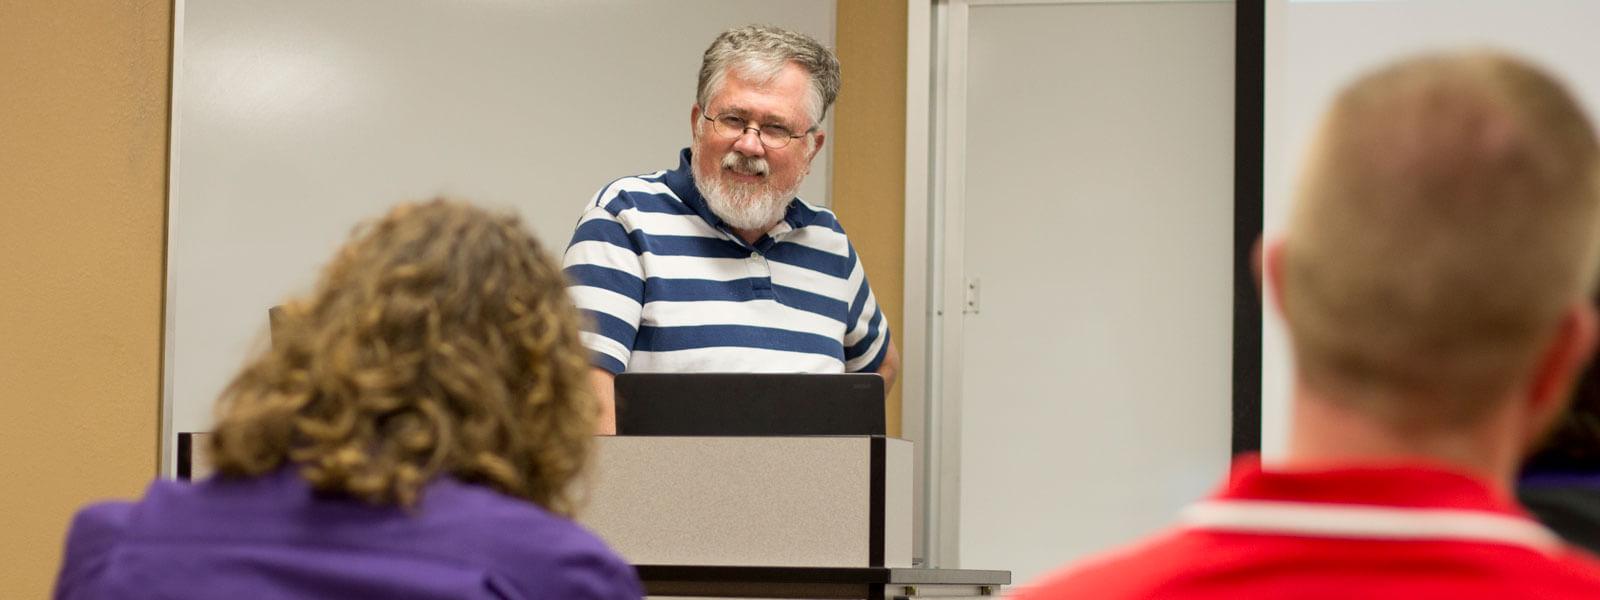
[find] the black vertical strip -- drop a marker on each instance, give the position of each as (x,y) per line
(185,455)
(1249,74)
(875,501)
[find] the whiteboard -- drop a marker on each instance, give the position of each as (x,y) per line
(1314,48)
(293,120)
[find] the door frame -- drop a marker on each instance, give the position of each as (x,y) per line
(935,182)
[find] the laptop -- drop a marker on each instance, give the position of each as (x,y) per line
(749,404)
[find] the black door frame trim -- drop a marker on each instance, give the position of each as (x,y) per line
(1248,138)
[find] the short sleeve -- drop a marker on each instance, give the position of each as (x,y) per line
(606,282)
(866,338)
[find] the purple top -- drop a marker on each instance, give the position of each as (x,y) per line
(270,537)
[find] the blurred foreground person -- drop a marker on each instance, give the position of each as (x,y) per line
(1435,278)
(414,432)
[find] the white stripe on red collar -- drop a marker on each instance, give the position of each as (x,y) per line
(1368,522)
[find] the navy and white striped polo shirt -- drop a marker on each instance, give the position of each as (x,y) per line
(669,288)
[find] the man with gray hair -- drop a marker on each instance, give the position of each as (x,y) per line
(716,266)
(1435,279)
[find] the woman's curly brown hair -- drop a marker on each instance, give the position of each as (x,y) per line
(439,341)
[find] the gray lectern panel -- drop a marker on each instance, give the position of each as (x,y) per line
(750,501)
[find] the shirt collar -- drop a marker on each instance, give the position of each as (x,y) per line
(1402,483)
(1394,502)
(681,182)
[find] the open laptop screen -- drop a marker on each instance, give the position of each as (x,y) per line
(749,404)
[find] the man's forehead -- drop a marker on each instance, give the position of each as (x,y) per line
(752,113)
(783,97)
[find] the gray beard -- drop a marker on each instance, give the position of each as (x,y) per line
(747,207)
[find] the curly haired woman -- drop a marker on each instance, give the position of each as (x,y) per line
(417,430)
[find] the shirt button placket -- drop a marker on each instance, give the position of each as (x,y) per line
(760,275)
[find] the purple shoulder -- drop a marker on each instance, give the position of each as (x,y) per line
(95,531)
(541,554)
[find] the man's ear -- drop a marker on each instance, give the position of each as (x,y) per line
(816,147)
(1564,358)
(694,118)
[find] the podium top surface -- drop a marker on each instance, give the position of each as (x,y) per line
(745,404)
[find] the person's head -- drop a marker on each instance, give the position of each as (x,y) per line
(768,80)
(1443,243)
(439,342)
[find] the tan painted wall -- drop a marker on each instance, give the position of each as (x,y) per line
(83,167)
(869,147)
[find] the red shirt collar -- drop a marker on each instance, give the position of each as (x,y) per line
(1403,483)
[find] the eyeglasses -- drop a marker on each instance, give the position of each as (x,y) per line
(771,136)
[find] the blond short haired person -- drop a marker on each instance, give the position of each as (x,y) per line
(414,432)
(1434,278)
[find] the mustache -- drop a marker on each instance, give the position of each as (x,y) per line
(748,165)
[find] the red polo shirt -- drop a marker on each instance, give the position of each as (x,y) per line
(1408,531)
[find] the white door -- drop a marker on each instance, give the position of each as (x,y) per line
(1087,275)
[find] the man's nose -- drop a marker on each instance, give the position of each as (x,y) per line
(749,143)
